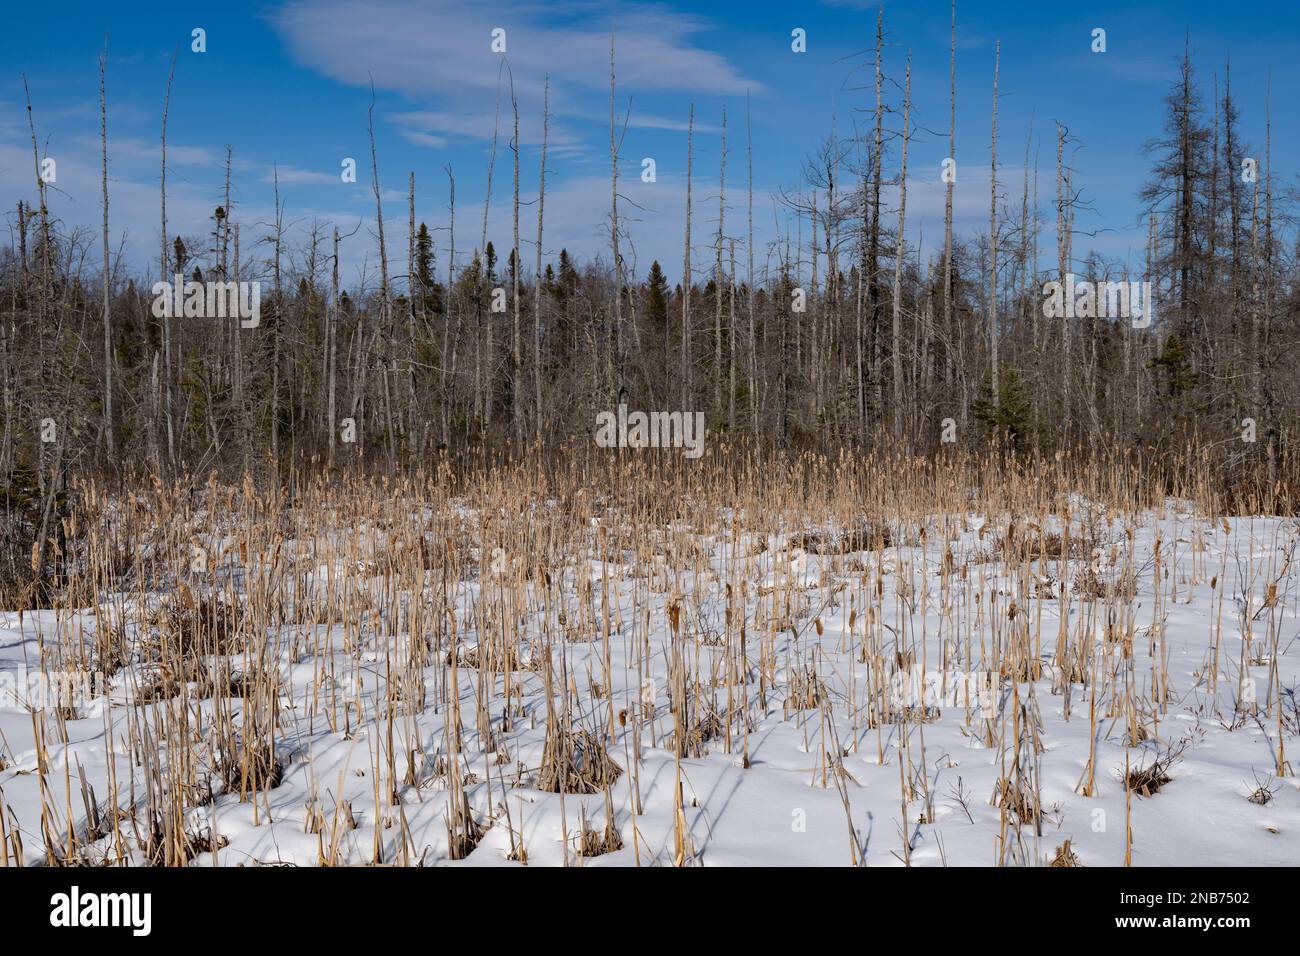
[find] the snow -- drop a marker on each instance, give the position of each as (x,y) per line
(787,807)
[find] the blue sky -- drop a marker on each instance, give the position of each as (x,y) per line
(288,84)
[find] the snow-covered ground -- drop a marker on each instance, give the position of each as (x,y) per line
(881,695)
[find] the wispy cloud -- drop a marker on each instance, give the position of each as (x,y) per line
(422,49)
(438,127)
(290,175)
(440,53)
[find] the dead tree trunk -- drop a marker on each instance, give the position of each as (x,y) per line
(107,317)
(686,274)
(613,225)
(718,275)
(331,347)
(947,203)
(485,363)
(166,322)
(873,252)
(385,301)
(537,272)
(749,297)
(898,261)
(993,228)
(448,372)
(516,347)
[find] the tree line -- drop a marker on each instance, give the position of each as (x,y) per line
(842,332)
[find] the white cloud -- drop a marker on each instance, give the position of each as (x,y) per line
(424,49)
(440,53)
(420,138)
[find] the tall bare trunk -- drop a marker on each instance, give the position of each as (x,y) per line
(613,225)
(749,296)
(332,347)
(449,366)
(385,299)
(164,274)
(537,272)
(224,223)
(686,274)
(43,304)
(731,339)
(873,257)
(898,260)
(718,279)
(485,360)
(107,317)
(516,346)
(993,227)
(952,175)
(245,427)
(415,292)
(1062,266)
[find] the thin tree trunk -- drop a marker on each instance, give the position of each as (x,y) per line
(484,365)
(42,307)
(237,381)
(898,260)
(107,316)
(516,346)
(1062,266)
(613,224)
(163,275)
(224,224)
(537,276)
(718,275)
(276,332)
(332,347)
(993,227)
(385,303)
(449,367)
(873,259)
(947,203)
(731,377)
(686,274)
(415,292)
(749,297)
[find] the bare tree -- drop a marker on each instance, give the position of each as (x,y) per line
(163,272)
(516,348)
(749,297)
(537,271)
(950,180)
(719,278)
(613,222)
(385,295)
(107,314)
(686,274)
(993,227)
(331,348)
(898,259)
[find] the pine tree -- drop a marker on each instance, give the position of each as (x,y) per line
(657,297)
(429,289)
(1172,368)
(1010,417)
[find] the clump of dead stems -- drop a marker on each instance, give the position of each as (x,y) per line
(1147,780)
(576,762)
(1064,857)
(593,842)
